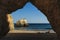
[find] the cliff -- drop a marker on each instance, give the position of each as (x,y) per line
(10,20)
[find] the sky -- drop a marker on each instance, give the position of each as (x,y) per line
(30,13)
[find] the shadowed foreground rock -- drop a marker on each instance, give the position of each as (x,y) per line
(3,23)
(51,8)
(30,36)
(6,7)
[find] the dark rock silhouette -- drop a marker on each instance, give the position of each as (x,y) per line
(6,7)
(51,8)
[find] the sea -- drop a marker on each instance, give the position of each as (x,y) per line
(35,26)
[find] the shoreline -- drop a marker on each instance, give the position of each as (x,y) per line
(33,31)
(30,36)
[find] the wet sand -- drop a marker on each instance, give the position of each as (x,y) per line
(30,36)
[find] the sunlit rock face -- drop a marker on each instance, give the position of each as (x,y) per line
(22,23)
(10,20)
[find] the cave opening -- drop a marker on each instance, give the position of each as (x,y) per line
(36,19)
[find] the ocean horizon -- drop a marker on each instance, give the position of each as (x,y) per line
(35,26)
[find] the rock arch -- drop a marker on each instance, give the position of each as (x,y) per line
(49,7)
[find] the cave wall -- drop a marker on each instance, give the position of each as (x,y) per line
(4,29)
(50,8)
(6,7)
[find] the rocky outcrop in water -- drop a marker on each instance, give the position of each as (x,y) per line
(51,8)
(22,23)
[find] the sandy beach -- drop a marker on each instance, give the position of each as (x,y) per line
(31,31)
(31,35)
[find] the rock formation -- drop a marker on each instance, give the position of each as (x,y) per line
(4,24)
(22,23)
(6,7)
(10,20)
(51,8)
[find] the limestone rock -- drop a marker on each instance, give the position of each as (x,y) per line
(22,23)
(10,20)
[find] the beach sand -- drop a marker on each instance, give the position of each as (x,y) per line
(19,35)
